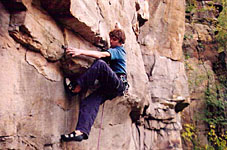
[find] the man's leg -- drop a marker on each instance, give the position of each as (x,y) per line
(111,87)
(88,111)
(102,72)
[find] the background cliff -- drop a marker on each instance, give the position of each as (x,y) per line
(34,108)
(204,47)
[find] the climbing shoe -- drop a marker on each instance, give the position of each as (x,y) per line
(73,137)
(69,86)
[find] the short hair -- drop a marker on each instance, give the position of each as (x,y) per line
(118,34)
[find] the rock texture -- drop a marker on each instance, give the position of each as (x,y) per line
(201,53)
(34,108)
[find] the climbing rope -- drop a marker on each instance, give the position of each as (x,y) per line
(99,137)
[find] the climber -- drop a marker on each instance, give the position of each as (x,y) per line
(112,80)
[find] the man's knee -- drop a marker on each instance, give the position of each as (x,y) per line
(100,62)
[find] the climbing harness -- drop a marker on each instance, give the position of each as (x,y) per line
(125,82)
(123,78)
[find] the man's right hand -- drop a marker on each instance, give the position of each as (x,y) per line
(73,51)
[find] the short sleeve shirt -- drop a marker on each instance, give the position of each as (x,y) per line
(118,59)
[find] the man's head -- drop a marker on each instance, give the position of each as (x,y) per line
(117,36)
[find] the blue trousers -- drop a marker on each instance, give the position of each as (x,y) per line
(110,87)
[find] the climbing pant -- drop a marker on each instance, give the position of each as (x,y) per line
(110,87)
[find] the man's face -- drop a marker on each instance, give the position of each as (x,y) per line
(114,42)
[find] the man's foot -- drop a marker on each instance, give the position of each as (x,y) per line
(73,136)
(71,87)
(77,89)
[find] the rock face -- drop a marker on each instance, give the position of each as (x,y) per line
(200,48)
(34,108)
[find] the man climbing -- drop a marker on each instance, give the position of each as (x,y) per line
(112,80)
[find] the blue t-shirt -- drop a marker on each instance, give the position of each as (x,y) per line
(118,59)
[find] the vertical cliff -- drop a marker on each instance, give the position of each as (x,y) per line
(204,121)
(34,108)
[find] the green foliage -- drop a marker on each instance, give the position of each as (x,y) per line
(215,108)
(223,81)
(215,114)
(190,134)
(220,23)
(188,37)
(191,6)
(188,66)
(187,56)
(218,141)
(200,47)
(221,28)
(215,117)
(200,79)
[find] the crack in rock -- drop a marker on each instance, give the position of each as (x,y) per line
(49,70)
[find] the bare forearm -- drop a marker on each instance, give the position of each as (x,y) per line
(91,53)
(96,54)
